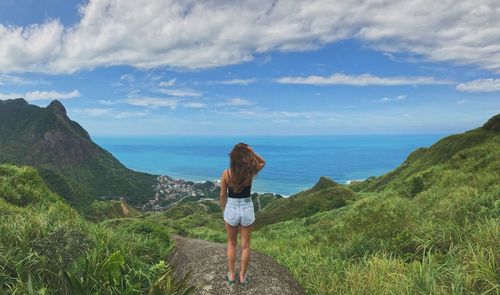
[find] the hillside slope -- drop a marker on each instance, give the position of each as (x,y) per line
(46,247)
(471,151)
(430,226)
(325,195)
(68,160)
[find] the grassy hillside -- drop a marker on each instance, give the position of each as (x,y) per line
(202,218)
(325,195)
(468,152)
(430,226)
(111,209)
(46,247)
(68,160)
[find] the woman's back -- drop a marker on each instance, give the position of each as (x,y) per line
(237,204)
(244,193)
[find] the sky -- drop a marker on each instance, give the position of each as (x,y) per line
(260,67)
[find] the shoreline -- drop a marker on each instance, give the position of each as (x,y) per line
(216,182)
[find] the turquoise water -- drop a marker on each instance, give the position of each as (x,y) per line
(294,163)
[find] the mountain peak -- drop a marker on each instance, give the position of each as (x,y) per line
(62,151)
(19,101)
(57,107)
(324,182)
(493,123)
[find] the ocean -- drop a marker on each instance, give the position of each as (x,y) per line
(293,163)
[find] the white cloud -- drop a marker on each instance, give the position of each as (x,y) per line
(168,83)
(236,102)
(17,80)
(462,101)
(263,113)
(92,112)
(41,95)
(235,82)
(180,92)
(107,102)
(126,114)
(204,34)
(195,105)
(481,85)
(152,102)
(4,96)
(395,98)
(127,78)
(106,112)
(45,95)
(360,80)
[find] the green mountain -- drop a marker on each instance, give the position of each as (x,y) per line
(68,160)
(430,226)
(469,152)
(325,195)
(46,247)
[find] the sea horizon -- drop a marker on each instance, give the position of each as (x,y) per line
(294,162)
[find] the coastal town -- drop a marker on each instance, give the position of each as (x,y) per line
(168,191)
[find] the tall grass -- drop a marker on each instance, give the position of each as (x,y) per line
(46,247)
(431,226)
(442,241)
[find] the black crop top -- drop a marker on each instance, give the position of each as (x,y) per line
(245,192)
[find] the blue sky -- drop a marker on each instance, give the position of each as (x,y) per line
(255,67)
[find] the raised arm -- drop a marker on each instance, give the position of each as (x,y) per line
(223,190)
(261,160)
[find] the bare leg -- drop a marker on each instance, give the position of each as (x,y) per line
(246,232)
(232,238)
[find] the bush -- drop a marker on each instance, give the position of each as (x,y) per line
(46,247)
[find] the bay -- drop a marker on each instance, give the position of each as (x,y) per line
(293,163)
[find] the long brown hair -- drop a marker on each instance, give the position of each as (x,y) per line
(244,167)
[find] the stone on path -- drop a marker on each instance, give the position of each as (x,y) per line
(208,265)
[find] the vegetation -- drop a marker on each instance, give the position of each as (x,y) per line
(430,226)
(202,218)
(325,195)
(70,163)
(46,247)
(111,209)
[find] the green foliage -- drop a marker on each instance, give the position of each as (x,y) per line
(166,285)
(69,162)
(416,186)
(430,226)
(493,124)
(61,246)
(325,195)
(195,219)
(22,186)
(102,210)
(46,247)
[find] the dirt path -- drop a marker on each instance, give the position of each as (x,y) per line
(124,208)
(207,261)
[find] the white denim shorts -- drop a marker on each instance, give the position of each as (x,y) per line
(239,211)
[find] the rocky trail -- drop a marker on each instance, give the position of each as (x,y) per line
(207,263)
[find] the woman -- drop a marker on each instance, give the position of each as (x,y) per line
(237,205)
